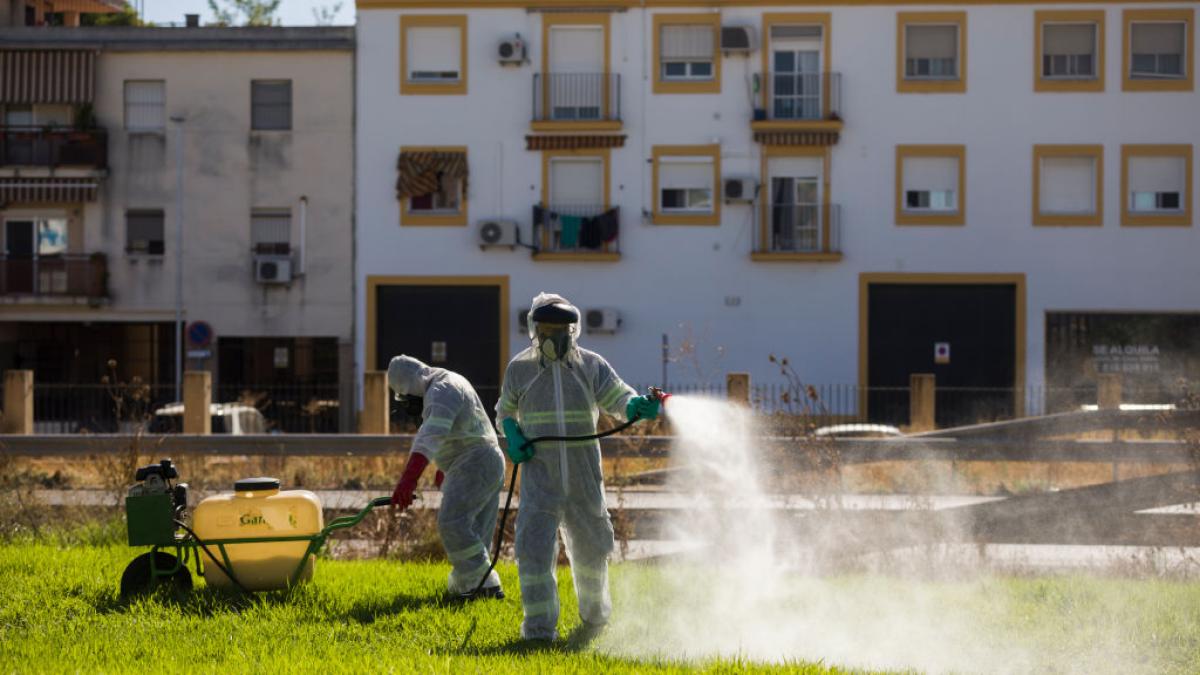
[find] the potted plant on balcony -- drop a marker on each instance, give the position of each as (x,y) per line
(85,122)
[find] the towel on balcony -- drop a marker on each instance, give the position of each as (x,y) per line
(571,226)
(599,230)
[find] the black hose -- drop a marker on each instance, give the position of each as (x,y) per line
(213,558)
(512,485)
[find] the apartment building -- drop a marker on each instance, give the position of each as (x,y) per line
(145,171)
(998,193)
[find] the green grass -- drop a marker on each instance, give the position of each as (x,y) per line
(59,611)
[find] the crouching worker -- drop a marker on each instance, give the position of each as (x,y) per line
(557,388)
(457,435)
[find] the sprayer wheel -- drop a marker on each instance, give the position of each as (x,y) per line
(138,579)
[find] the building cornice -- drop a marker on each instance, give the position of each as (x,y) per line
(613,5)
(141,39)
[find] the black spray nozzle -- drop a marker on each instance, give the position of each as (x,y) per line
(656,394)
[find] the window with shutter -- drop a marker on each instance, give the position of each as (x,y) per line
(687,52)
(271,105)
(144,231)
(433,54)
(930,186)
(1156,182)
(931,52)
(1069,50)
(271,231)
(145,105)
(1157,49)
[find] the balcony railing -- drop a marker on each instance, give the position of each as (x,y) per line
(576,97)
(576,228)
(801,228)
(79,276)
(53,147)
(801,97)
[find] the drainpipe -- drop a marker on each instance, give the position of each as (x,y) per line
(178,120)
(303,235)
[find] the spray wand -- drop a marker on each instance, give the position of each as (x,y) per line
(653,393)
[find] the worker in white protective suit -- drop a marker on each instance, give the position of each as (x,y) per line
(457,435)
(556,388)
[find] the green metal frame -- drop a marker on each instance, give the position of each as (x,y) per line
(185,545)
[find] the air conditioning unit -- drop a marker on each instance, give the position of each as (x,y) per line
(740,189)
(497,233)
(511,51)
(738,39)
(272,269)
(602,320)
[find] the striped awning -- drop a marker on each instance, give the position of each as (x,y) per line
(421,172)
(573,142)
(47,76)
(47,190)
(796,137)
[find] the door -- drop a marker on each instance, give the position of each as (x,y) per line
(18,142)
(796,72)
(575,78)
(454,327)
(18,256)
(795,220)
(965,334)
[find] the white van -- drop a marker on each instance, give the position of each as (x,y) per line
(227,418)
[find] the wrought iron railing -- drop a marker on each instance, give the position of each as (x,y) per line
(576,228)
(53,146)
(800,228)
(801,96)
(81,276)
(576,97)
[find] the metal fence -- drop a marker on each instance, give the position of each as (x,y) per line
(577,228)
(68,275)
(800,228)
(954,406)
(576,97)
(53,146)
(132,407)
(802,96)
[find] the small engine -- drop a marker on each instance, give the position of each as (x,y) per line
(153,504)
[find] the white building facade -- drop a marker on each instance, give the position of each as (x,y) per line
(998,193)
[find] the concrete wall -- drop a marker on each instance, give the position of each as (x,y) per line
(676,279)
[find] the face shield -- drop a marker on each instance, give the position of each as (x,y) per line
(553,326)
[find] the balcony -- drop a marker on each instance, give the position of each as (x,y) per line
(576,232)
(798,104)
(803,232)
(576,102)
(53,147)
(64,278)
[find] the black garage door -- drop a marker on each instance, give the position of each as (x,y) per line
(965,334)
(455,327)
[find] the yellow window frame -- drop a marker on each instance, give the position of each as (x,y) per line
(408,217)
(1043,17)
(909,86)
(1131,218)
(1096,152)
(712,151)
(410,88)
(957,152)
(666,86)
(1131,16)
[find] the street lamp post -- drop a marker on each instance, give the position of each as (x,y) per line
(178,120)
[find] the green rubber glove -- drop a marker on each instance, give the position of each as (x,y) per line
(644,408)
(516,449)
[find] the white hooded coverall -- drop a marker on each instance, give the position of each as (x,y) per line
(457,436)
(562,483)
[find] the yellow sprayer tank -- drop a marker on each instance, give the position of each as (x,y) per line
(258,510)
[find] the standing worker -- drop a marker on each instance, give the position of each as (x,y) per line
(556,388)
(457,435)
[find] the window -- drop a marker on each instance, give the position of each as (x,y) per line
(575,217)
(796,219)
(433,54)
(686,54)
(144,231)
(271,105)
(271,231)
(1156,185)
(1159,49)
(433,185)
(1069,50)
(145,105)
(930,184)
(686,180)
(1068,184)
(931,52)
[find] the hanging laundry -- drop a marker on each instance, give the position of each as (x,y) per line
(571,225)
(589,236)
(608,223)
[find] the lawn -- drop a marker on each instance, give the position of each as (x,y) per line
(59,611)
